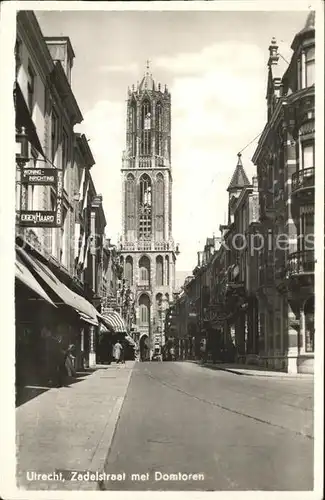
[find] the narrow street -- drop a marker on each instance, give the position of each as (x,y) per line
(240,432)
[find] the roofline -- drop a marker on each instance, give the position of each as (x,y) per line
(59,72)
(58,38)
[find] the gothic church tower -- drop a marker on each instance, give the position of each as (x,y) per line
(148,253)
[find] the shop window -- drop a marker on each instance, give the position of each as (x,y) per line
(309,326)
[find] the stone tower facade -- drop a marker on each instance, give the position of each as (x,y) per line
(148,252)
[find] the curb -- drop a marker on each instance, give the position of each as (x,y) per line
(284,376)
(261,373)
(104,445)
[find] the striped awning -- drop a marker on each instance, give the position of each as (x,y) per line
(114,321)
(66,296)
(23,274)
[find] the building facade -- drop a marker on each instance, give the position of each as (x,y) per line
(59,216)
(285,160)
(147,246)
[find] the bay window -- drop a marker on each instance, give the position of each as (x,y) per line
(308,154)
(310,66)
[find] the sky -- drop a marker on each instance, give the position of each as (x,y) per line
(215,67)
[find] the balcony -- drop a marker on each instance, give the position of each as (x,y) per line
(301,263)
(303,180)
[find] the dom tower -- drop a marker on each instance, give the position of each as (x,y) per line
(147,246)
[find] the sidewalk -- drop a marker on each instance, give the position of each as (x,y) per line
(70,428)
(254,371)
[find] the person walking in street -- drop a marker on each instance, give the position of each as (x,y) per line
(118,352)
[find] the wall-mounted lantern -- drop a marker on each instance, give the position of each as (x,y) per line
(22,156)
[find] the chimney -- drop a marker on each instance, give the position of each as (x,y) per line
(61,50)
(255,184)
(199,258)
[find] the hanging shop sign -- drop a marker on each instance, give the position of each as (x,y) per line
(37,218)
(59,201)
(40,176)
(43,218)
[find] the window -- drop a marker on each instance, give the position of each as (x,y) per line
(54,135)
(159,271)
(310,67)
(167,270)
(309,325)
(30,87)
(144,310)
(54,230)
(145,207)
(130,207)
(133,129)
(63,238)
(308,154)
(159,204)
(129,270)
(65,153)
(146,128)
(144,268)
(30,197)
(159,129)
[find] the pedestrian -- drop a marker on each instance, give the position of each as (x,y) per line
(118,352)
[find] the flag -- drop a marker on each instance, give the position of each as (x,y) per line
(82,249)
(76,239)
(81,186)
(86,254)
(86,197)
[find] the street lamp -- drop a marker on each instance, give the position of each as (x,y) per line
(22,147)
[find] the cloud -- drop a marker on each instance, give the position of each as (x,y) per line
(239,56)
(127,68)
(218,97)
(218,106)
(104,125)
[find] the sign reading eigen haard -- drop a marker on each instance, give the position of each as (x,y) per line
(37,218)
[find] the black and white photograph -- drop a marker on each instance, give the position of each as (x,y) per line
(162,248)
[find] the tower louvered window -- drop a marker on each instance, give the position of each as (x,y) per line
(133,129)
(145,205)
(130,206)
(146,128)
(159,206)
(159,129)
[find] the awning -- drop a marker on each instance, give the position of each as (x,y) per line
(88,319)
(114,321)
(23,274)
(72,299)
(130,340)
(24,119)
